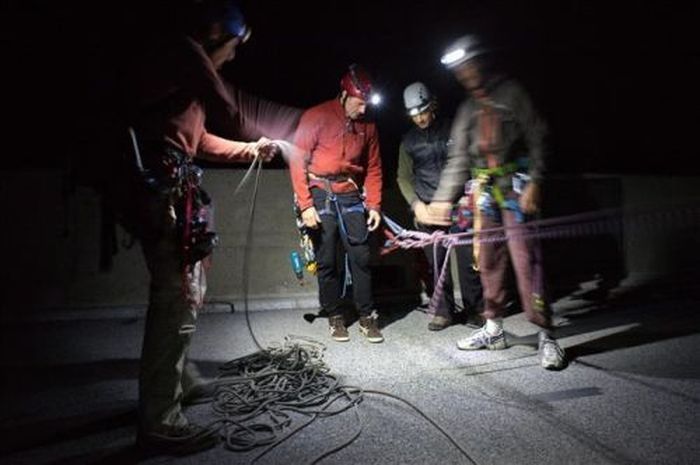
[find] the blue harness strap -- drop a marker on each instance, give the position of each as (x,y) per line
(332,206)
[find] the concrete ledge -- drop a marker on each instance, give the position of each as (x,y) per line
(52,248)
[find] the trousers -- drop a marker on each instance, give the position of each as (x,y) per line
(344,232)
(175,297)
(523,251)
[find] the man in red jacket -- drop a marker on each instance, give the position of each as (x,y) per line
(157,198)
(339,156)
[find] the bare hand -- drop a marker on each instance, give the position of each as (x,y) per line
(310,218)
(531,199)
(373,220)
(266,149)
(420,210)
(438,213)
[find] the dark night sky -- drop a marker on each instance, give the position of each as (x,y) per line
(616,80)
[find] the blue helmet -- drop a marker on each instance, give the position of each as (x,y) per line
(234,22)
(229,13)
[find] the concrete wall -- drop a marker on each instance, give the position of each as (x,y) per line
(668,241)
(51,241)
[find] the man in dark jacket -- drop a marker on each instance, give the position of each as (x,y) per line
(422,157)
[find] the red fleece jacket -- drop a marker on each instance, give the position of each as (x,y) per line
(332,145)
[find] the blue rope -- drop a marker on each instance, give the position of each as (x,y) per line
(393,225)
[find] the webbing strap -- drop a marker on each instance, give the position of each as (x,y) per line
(340,210)
(484,174)
(497,171)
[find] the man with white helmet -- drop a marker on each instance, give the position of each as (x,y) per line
(422,157)
(500,140)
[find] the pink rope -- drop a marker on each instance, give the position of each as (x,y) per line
(582,224)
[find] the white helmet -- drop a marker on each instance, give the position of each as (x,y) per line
(417,98)
(463,49)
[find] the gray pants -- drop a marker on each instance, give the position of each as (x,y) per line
(170,324)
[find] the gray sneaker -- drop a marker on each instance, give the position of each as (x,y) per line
(552,357)
(370,329)
(480,339)
(336,325)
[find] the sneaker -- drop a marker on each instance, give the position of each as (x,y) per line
(438,323)
(180,440)
(370,329)
(480,339)
(552,357)
(336,325)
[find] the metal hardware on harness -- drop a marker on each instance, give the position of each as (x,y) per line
(307,259)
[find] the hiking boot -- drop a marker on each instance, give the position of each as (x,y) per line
(480,339)
(475,320)
(178,440)
(552,357)
(336,325)
(438,323)
(201,392)
(469,318)
(370,329)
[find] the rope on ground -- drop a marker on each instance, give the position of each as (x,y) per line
(260,396)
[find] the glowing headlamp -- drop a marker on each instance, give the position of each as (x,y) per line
(453,56)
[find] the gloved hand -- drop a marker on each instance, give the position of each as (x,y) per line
(373,220)
(310,218)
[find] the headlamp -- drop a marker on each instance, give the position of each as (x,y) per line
(453,56)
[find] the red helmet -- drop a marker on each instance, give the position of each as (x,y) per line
(356,82)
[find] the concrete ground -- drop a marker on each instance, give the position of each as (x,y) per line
(631,393)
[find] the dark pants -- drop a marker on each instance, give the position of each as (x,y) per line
(525,255)
(165,372)
(352,234)
(174,297)
(469,280)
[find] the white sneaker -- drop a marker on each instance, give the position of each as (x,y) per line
(480,339)
(552,355)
